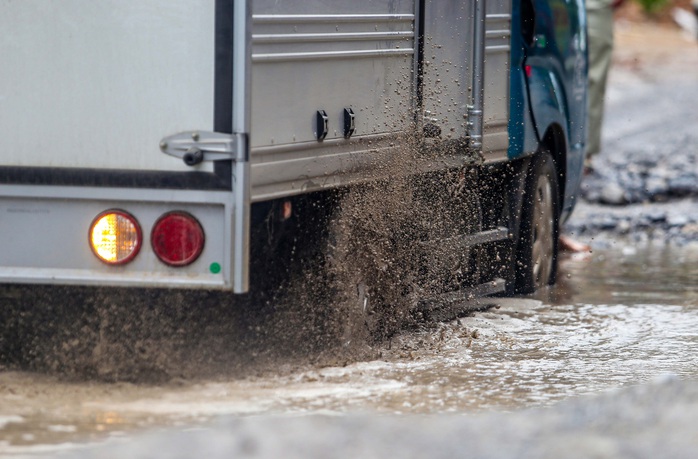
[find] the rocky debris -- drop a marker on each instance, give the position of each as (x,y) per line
(652,173)
(644,184)
(641,193)
(675,222)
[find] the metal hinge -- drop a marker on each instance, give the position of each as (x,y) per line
(193,147)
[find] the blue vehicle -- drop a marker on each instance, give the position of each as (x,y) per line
(163,145)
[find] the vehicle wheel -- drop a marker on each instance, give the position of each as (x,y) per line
(391,248)
(536,254)
(362,269)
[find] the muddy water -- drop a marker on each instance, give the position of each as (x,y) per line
(617,317)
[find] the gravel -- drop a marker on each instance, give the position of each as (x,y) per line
(647,173)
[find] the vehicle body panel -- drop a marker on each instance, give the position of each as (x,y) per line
(558,81)
(91,90)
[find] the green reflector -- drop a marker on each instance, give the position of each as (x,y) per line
(215,268)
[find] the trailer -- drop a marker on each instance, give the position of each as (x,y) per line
(139,138)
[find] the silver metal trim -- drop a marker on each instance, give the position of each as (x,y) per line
(497,156)
(241,184)
(349,163)
(168,196)
(497,123)
(242,76)
(333,37)
(356,175)
(498,17)
(280,57)
(415,68)
(475,111)
(499,33)
(80,277)
(497,49)
(324,18)
(305,146)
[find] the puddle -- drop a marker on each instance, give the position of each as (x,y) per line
(621,317)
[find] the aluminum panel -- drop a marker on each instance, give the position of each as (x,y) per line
(326,55)
(497,61)
(448,78)
(304,63)
(448,54)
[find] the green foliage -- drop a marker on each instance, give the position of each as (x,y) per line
(652,6)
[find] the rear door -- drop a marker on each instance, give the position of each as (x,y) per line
(88,84)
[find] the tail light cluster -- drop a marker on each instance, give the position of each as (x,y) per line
(177,238)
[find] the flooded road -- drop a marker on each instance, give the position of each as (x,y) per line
(622,316)
(625,315)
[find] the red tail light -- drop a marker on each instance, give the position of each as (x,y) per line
(177,239)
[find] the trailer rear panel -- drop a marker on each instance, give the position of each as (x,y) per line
(88,92)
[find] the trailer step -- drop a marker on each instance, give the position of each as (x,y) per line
(449,305)
(462,242)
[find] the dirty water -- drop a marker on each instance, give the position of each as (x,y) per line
(617,317)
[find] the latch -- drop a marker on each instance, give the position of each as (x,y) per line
(193,147)
(321,125)
(349,122)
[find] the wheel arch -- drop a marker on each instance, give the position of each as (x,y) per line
(555,142)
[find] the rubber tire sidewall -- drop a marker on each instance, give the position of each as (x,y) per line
(542,164)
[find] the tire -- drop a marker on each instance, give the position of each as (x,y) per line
(363,266)
(389,251)
(537,247)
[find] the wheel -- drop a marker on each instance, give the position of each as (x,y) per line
(536,254)
(364,267)
(393,247)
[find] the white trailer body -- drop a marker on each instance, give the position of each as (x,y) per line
(94,84)
(87,91)
(100,102)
